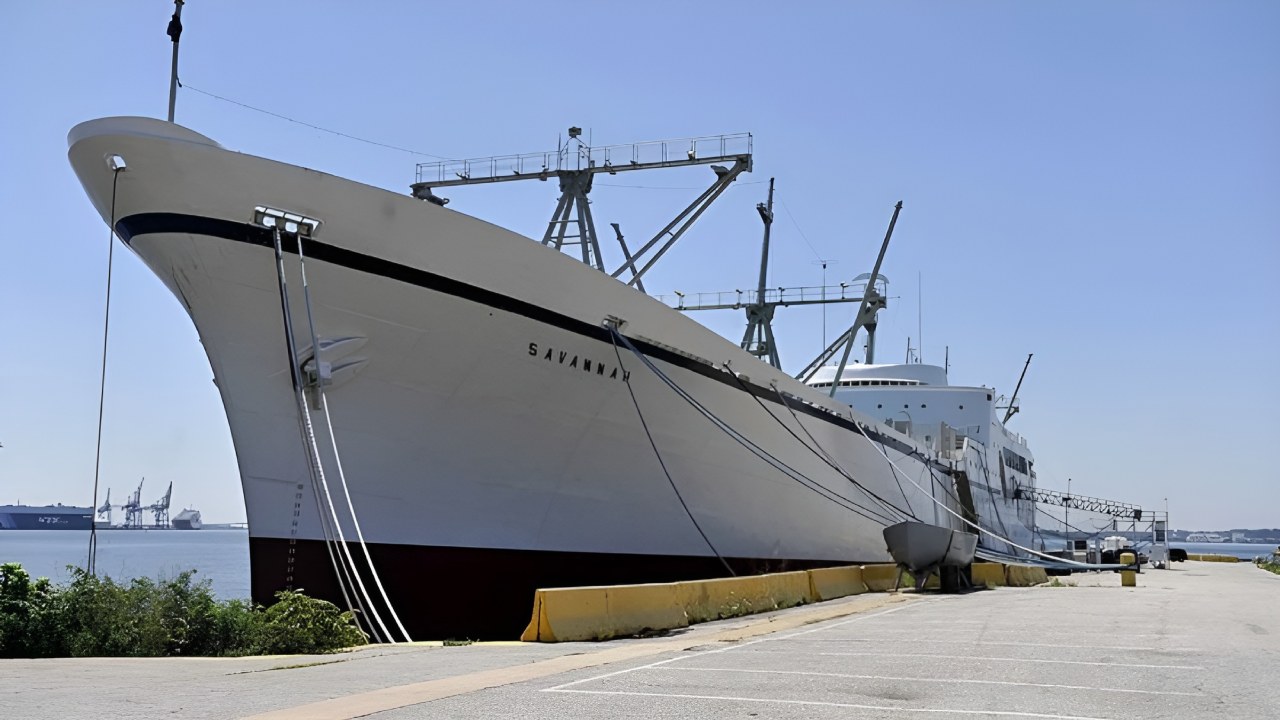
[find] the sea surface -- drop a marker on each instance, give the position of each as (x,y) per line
(219,556)
(1244,551)
(222,556)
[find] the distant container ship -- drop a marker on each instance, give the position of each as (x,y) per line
(46,517)
(187,520)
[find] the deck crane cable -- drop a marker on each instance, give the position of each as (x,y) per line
(819,451)
(102,384)
(626,379)
(315,468)
(342,477)
(788,471)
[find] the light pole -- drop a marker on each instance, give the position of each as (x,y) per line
(1066,515)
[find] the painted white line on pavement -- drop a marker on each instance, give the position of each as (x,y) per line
(934,680)
(1008,659)
(819,626)
(885,708)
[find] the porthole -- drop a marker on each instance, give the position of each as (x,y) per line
(879,405)
(923,406)
(961,407)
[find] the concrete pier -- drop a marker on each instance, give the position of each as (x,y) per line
(1200,640)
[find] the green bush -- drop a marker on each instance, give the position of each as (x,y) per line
(297,624)
(1271,565)
(95,616)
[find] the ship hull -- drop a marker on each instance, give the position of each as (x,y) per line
(24,517)
(484,433)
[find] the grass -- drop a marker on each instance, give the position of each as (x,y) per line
(1270,566)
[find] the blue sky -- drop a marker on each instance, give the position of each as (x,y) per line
(1093,182)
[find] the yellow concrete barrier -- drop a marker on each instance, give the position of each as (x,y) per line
(881,578)
(1024,575)
(836,582)
(1213,558)
(705,600)
(604,612)
(987,573)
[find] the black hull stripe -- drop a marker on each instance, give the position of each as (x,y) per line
(178,223)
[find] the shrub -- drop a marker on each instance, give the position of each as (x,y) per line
(94,616)
(297,624)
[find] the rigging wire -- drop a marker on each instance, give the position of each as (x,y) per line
(802,235)
(102,383)
(324,404)
(247,106)
(627,381)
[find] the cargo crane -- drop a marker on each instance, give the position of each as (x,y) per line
(160,508)
(133,509)
(106,508)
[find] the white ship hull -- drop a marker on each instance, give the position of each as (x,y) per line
(486,433)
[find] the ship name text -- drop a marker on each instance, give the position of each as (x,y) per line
(578,362)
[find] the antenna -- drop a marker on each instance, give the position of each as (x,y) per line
(174,32)
(919,317)
(946,363)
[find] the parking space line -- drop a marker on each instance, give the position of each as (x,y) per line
(916,637)
(854,706)
(737,646)
(1008,659)
(933,680)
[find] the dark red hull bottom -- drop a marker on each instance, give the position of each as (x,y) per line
(445,593)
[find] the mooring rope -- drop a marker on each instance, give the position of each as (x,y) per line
(787,471)
(333,440)
(626,379)
(308,441)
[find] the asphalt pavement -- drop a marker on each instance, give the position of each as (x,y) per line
(1199,640)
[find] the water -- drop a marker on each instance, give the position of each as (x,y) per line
(219,556)
(1244,551)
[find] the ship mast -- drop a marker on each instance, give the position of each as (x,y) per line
(872,302)
(758,339)
(174,31)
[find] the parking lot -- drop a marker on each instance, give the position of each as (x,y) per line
(1201,640)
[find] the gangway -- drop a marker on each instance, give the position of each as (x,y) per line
(1152,524)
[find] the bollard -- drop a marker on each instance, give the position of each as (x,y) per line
(1128,578)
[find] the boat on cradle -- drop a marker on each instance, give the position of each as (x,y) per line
(188,519)
(484,414)
(45,517)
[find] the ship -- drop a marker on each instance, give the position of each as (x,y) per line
(45,517)
(188,519)
(433,416)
